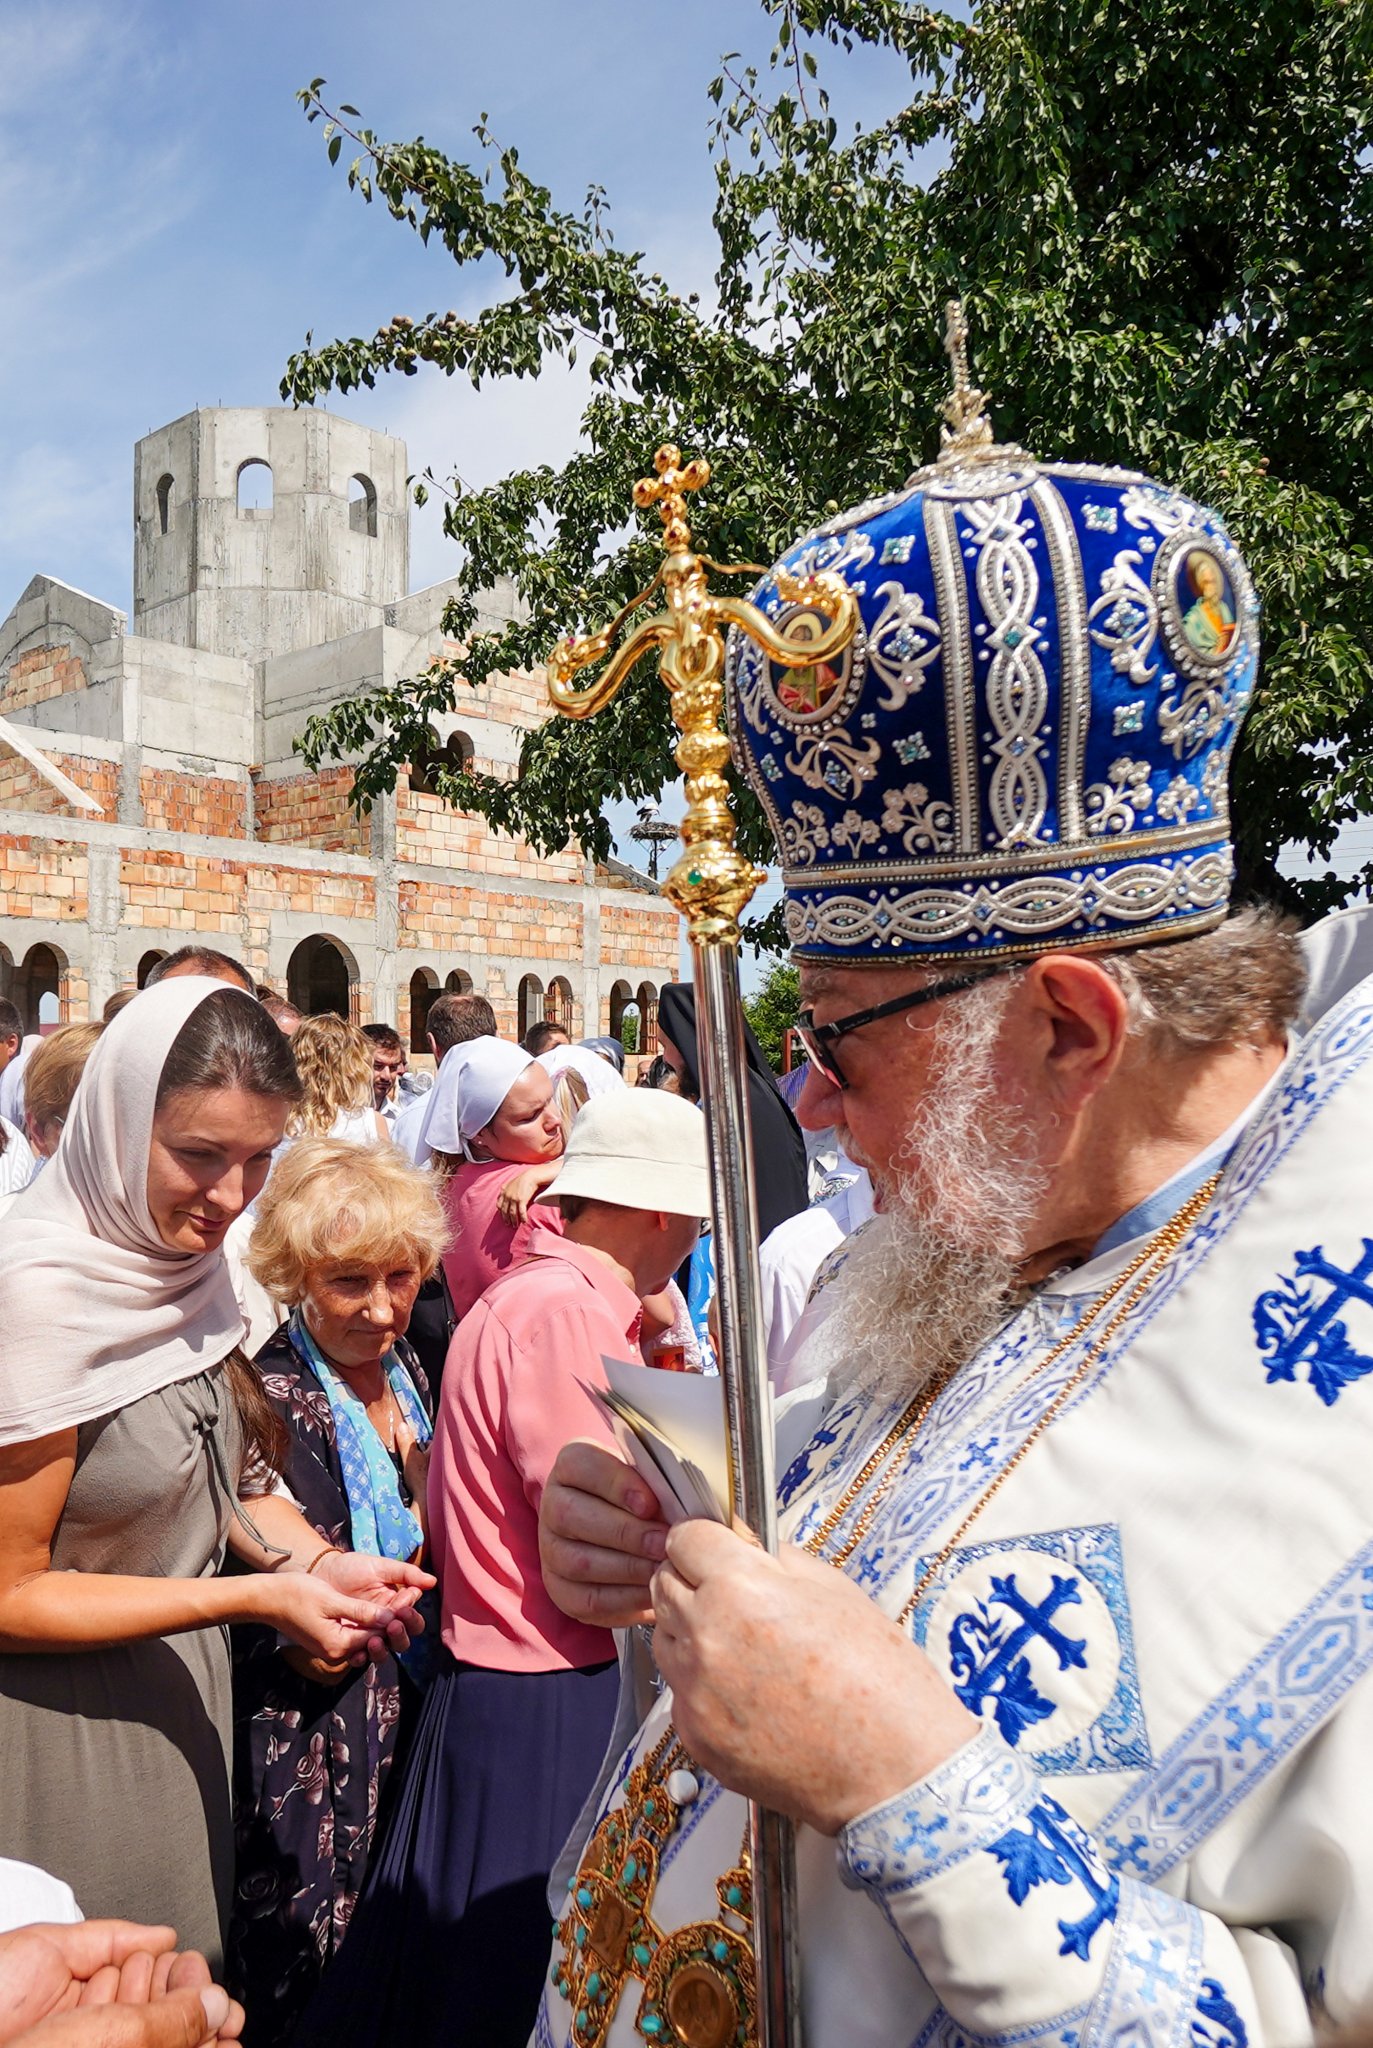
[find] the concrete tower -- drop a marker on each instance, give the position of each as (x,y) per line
(259,530)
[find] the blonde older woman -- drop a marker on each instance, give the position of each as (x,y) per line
(345,1235)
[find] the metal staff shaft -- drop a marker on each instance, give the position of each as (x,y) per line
(711,884)
(724,1075)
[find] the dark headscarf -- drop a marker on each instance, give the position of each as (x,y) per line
(609,1049)
(779,1150)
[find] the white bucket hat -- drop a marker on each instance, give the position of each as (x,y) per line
(641,1149)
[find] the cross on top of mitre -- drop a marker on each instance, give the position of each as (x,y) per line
(667,490)
(968,426)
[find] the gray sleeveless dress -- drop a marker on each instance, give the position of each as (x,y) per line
(115,1772)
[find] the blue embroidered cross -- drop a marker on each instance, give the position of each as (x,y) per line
(1127,1855)
(1296,1327)
(920,1835)
(1298,1092)
(980,1455)
(870,1566)
(1053,1849)
(989,1664)
(1154,1974)
(1249,1727)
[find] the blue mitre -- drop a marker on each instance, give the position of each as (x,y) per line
(1027,743)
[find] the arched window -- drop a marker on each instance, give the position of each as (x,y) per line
(621,995)
(429,762)
(530,1009)
(146,966)
(38,988)
(457,983)
(648,1018)
(322,977)
(424,989)
(362,506)
(557,1004)
(164,503)
(255,486)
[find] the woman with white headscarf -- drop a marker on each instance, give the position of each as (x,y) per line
(131,1430)
(490,1110)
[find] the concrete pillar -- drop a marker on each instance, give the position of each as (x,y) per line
(105,902)
(385,987)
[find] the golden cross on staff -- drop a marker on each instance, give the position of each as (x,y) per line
(710,884)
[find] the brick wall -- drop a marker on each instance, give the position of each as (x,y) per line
(640,944)
(22,788)
(44,878)
(41,672)
(312,810)
(205,806)
(441,920)
(430,834)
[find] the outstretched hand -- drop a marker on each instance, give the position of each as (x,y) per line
(109,1984)
(392,1584)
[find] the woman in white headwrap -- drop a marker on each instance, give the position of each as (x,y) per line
(490,1110)
(131,1431)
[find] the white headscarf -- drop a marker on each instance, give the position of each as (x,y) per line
(95,1309)
(473,1081)
(600,1077)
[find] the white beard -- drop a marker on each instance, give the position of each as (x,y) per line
(929,1280)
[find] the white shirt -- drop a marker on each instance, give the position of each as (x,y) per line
(790,1258)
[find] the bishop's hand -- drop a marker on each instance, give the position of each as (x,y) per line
(789,1685)
(600,1537)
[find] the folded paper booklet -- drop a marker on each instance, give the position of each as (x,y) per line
(671,1425)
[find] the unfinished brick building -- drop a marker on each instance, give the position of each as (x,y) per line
(271,563)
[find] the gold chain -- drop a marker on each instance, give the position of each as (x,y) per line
(1143,1270)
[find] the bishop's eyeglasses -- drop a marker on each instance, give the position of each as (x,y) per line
(819,1040)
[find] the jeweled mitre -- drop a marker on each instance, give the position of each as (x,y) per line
(1027,743)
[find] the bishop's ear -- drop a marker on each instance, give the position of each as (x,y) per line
(1079,1020)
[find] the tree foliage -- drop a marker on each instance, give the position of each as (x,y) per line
(1158,216)
(772,1008)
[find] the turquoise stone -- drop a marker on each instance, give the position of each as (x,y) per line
(642,1956)
(581,1937)
(584,1899)
(720,1951)
(651,2025)
(631,1869)
(593,1983)
(734,1897)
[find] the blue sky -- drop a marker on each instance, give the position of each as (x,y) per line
(170,227)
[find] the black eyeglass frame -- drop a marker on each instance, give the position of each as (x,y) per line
(816,1038)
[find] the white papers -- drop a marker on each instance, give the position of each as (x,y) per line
(672,1426)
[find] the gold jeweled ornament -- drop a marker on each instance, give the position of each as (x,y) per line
(698,1982)
(712,882)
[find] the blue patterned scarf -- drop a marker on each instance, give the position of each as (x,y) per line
(381,1523)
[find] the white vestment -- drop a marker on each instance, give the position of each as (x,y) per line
(1163,1834)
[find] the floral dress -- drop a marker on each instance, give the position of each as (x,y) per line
(310,1761)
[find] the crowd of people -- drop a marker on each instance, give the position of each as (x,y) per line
(294,1343)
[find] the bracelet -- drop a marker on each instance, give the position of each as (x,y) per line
(329,1550)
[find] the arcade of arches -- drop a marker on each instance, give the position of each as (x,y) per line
(37,985)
